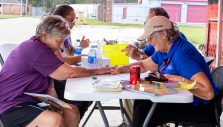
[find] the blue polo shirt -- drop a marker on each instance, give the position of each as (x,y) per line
(149,49)
(185,60)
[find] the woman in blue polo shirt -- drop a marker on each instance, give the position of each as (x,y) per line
(149,50)
(180,61)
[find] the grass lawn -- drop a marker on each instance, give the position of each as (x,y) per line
(98,22)
(195,34)
(8,16)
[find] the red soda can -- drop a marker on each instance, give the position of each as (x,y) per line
(134,74)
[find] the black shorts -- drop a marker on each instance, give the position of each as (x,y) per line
(169,112)
(21,115)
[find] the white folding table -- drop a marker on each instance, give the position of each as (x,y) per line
(81,89)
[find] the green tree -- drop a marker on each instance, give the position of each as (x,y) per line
(36,2)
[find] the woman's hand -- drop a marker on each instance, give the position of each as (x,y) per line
(103,70)
(131,51)
(84,42)
(115,70)
(204,89)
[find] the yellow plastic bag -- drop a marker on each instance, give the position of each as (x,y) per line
(117,58)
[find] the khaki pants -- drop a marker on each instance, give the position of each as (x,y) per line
(128,107)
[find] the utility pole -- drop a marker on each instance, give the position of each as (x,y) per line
(2,9)
(219,36)
(20,7)
(27,7)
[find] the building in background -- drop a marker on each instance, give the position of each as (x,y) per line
(186,11)
(180,11)
(89,10)
(118,11)
(12,7)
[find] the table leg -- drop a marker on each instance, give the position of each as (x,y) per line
(149,115)
(89,115)
(100,108)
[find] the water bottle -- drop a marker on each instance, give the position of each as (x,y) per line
(77,48)
(92,56)
(97,48)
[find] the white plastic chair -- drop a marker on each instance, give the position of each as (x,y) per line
(209,59)
(5,50)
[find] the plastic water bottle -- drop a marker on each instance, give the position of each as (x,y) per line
(92,56)
(97,48)
(99,51)
(77,48)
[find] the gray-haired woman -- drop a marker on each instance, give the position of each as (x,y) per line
(31,68)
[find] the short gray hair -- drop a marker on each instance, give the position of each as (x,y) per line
(53,25)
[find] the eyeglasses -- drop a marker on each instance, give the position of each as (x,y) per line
(163,64)
(151,36)
(71,20)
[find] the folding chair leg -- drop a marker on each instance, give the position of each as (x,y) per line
(218,125)
(176,124)
(89,115)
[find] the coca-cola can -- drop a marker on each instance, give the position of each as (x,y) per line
(134,74)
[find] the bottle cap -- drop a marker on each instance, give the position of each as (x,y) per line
(157,85)
(94,78)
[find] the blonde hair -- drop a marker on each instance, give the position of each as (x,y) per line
(53,25)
